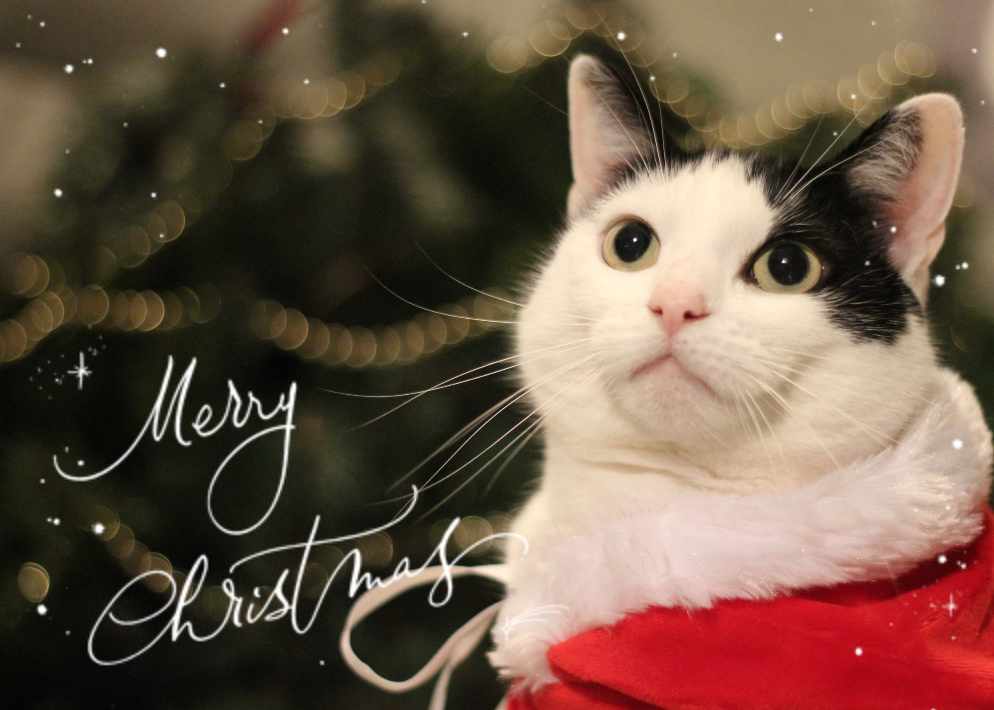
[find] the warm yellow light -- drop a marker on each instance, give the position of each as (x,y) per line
(155,310)
(92,304)
(317,342)
(33,581)
(294,330)
(363,347)
(507,54)
(14,338)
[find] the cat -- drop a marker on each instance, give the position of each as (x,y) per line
(760,488)
(739,396)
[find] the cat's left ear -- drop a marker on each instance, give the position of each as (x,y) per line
(910,160)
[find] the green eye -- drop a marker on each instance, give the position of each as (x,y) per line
(787,267)
(631,245)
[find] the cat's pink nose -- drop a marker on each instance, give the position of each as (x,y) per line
(675,307)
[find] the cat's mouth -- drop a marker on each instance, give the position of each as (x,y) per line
(669,368)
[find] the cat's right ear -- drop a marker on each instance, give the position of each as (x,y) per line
(608,134)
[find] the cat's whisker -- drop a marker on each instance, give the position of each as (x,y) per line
(618,153)
(519,392)
(773,433)
(544,100)
(433,483)
(624,127)
(486,418)
(507,461)
(508,301)
(759,431)
(651,128)
(449,383)
(777,349)
(720,440)
(786,405)
(531,431)
(454,381)
(773,393)
(740,404)
(881,438)
(502,404)
(580,321)
(662,129)
(440,313)
(737,400)
(799,188)
(456,437)
(828,150)
(527,430)
(800,160)
(525,436)
(419,393)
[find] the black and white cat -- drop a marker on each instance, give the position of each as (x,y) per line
(733,366)
(742,411)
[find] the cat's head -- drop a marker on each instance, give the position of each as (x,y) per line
(751,318)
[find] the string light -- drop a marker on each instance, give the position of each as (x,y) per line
(134,557)
(402,343)
(108,309)
(862,94)
(53,304)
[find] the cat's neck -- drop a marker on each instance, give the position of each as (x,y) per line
(584,482)
(606,482)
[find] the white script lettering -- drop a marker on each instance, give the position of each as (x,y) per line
(237,411)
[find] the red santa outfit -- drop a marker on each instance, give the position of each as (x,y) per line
(922,641)
(870,588)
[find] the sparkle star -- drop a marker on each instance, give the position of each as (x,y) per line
(81,370)
(951,606)
(506,628)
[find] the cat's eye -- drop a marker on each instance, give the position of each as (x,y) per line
(787,267)
(631,245)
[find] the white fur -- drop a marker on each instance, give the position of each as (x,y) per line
(872,519)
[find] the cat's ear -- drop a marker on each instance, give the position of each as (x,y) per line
(608,132)
(910,160)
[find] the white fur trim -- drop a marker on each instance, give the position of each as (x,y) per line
(874,519)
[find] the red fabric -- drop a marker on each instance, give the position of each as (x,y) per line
(797,652)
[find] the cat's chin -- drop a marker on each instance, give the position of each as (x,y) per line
(668,375)
(667,401)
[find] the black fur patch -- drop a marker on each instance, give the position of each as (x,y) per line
(848,229)
(628,103)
